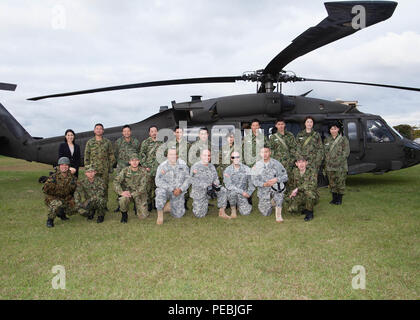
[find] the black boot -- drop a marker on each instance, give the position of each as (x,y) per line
(150,207)
(50,223)
(100,219)
(124,217)
(309,215)
(118,209)
(334,198)
(62,214)
(135,209)
(339,199)
(227,205)
(91,214)
(185,204)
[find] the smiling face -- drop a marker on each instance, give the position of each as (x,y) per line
(64,168)
(134,163)
(90,174)
(235,157)
(255,126)
(69,137)
(203,135)
(309,124)
(265,154)
(98,131)
(172,156)
(153,132)
(126,132)
(178,134)
(280,125)
(205,156)
(301,164)
(334,131)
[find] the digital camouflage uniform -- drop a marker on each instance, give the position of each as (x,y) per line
(336,153)
(224,160)
(90,196)
(203,177)
(307,195)
(261,173)
(136,182)
(311,148)
(283,149)
(123,150)
(250,144)
(100,155)
(169,178)
(59,190)
(148,159)
(238,181)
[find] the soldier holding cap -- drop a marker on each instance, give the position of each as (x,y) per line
(59,189)
(90,195)
(131,185)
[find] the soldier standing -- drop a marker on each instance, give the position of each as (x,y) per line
(148,160)
(201,144)
(100,154)
(131,184)
(253,142)
(237,179)
(204,181)
(225,155)
(310,145)
(269,176)
(180,143)
(59,189)
(303,185)
(172,182)
(123,148)
(283,146)
(337,150)
(89,196)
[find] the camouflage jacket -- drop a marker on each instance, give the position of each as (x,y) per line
(130,180)
(283,148)
(306,182)
(249,148)
(60,186)
(148,151)
(224,156)
(124,149)
(171,177)
(336,153)
(202,177)
(310,147)
(238,180)
(182,148)
(100,154)
(262,172)
(87,190)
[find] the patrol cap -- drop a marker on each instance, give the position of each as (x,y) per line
(300,157)
(89,167)
(64,160)
(134,156)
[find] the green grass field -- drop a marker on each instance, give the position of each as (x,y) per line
(248,258)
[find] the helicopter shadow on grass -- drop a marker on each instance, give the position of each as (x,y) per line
(358,181)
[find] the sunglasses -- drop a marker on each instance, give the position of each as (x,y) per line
(235,157)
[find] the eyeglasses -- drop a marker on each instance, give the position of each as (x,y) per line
(237,157)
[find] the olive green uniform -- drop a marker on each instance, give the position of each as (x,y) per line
(307,195)
(283,149)
(336,153)
(90,196)
(123,149)
(311,148)
(249,148)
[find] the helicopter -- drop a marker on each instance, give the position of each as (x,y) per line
(375,146)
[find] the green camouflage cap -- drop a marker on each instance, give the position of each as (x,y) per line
(134,155)
(64,160)
(89,167)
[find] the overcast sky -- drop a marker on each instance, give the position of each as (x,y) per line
(58,46)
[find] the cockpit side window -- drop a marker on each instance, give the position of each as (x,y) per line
(376,131)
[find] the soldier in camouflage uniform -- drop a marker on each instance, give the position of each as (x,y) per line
(59,189)
(310,145)
(149,161)
(89,196)
(225,154)
(131,185)
(252,143)
(303,193)
(172,182)
(337,150)
(269,176)
(204,180)
(100,154)
(180,143)
(283,146)
(201,144)
(237,178)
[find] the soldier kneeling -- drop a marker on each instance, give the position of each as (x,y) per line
(131,185)
(90,195)
(59,189)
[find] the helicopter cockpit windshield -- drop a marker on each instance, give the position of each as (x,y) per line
(376,131)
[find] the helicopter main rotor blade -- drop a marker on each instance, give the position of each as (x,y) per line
(144,85)
(7,86)
(337,25)
(361,83)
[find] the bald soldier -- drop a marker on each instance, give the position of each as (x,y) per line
(58,190)
(269,176)
(131,185)
(89,196)
(172,182)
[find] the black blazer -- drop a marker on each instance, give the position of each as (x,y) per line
(64,151)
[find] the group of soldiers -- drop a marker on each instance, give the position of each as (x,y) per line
(282,168)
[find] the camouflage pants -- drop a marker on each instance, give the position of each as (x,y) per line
(201,201)
(98,205)
(105,176)
(238,200)
(151,187)
(303,200)
(55,205)
(177,203)
(140,201)
(337,180)
(220,168)
(264,202)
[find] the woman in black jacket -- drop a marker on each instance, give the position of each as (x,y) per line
(70,150)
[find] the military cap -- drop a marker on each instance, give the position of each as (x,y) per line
(299,156)
(134,155)
(64,160)
(89,167)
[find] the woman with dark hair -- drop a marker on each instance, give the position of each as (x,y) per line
(310,145)
(70,150)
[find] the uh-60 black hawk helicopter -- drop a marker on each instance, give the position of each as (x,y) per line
(375,146)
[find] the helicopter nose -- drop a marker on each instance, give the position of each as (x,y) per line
(412,153)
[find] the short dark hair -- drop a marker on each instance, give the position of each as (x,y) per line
(67,131)
(204,129)
(153,126)
(126,126)
(255,120)
(178,127)
(279,120)
(309,117)
(99,124)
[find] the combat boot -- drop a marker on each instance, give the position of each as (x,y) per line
(124,217)
(118,209)
(309,215)
(334,198)
(62,214)
(339,199)
(100,219)
(279,218)
(149,206)
(135,209)
(91,214)
(160,217)
(50,223)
